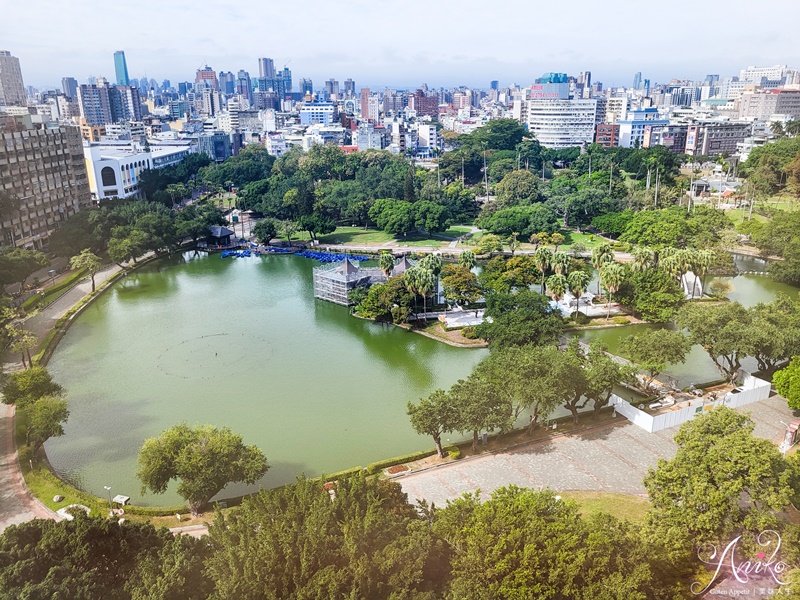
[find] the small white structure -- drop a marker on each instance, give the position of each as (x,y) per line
(568,305)
(751,390)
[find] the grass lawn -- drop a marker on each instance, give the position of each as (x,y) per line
(622,506)
(737,215)
(356,235)
(457,231)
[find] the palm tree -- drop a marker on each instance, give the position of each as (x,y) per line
(643,259)
(577,282)
(557,286)
(386,263)
(601,254)
(684,260)
(793,127)
(467,259)
(777,129)
(542,258)
(513,244)
(703,259)
(432,262)
(426,283)
(612,275)
(561,262)
(411,278)
(669,264)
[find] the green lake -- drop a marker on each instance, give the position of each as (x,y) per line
(240,343)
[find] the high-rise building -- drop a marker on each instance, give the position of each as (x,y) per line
(121,68)
(206,77)
(306,86)
(266,68)
(561,123)
(12,88)
(125,103)
(94,103)
(364,98)
(70,87)
(349,88)
(494,84)
(637,80)
(285,83)
(46,172)
(332,88)
(227,82)
(243,85)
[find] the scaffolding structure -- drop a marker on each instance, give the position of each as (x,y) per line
(334,282)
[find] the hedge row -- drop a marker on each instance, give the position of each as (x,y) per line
(37,299)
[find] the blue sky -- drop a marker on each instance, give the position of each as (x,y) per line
(400,44)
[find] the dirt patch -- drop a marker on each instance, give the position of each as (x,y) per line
(454,336)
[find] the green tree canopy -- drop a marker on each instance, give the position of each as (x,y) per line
(45,419)
(654,349)
(26,387)
(205,459)
(521,318)
(787,382)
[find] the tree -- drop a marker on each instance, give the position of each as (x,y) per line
(88,557)
(26,387)
(46,418)
(316,224)
(480,406)
(601,254)
(265,230)
(557,286)
(652,295)
(543,259)
(578,281)
(517,188)
(722,331)
(467,259)
(386,263)
(434,416)
(560,262)
(602,374)
(21,263)
(177,570)
(288,229)
(22,342)
(298,541)
(518,319)
(787,382)
(205,459)
(391,301)
(521,543)
(612,276)
(86,260)
(722,479)
(556,239)
(654,349)
(489,243)
(460,285)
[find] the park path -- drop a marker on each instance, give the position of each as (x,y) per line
(17,505)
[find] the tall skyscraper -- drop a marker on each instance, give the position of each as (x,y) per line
(206,77)
(95,105)
(243,85)
(349,88)
(70,87)
(637,80)
(286,82)
(364,97)
(306,86)
(12,88)
(266,68)
(121,68)
(227,82)
(332,88)
(494,84)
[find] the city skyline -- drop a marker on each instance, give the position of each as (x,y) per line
(438,47)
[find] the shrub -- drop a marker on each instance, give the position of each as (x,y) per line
(379,466)
(454,454)
(468,332)
(581,319)
(621,320)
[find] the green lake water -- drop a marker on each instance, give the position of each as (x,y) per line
(747,288)
(240,343)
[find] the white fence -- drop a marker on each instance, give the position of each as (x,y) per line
(751,390)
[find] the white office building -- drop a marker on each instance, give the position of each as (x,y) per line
(632,129)
(114,168)
(561,123)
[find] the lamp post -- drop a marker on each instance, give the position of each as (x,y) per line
(107,488)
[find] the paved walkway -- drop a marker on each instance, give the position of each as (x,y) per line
(16,503)
(611,459)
